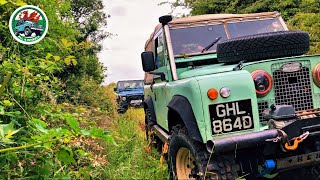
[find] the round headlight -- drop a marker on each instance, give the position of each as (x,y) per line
(262,82)
(224,92)
(123,98)
(316,75)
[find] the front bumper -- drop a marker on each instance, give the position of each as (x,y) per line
(259,146)
(255,139)
(36,29)
(240,141)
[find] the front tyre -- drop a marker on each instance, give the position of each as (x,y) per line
(152,140)
(188,159)
(27,32)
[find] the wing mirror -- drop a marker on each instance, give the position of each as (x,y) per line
(148,63)
(115,89)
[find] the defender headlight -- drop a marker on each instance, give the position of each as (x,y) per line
(123,98)
(316,75)
(262,81)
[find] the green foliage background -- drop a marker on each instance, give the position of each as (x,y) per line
(299,14)
(53,110)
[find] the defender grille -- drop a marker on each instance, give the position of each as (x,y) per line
(293,88)
(135,97)
(261,107)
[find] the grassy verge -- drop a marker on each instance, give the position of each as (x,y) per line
(130,159)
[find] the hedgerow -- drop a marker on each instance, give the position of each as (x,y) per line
(54,113)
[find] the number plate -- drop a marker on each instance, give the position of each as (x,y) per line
(231,116)
(136,101)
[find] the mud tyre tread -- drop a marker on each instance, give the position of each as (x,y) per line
(263,46)
(157,143)
(220,167)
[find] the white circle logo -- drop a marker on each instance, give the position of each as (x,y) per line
(28,24)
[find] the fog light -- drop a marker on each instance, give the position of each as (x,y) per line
(213,94)
(224,92)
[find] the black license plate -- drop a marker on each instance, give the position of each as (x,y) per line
(231,116)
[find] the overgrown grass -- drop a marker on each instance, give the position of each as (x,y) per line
(130,159)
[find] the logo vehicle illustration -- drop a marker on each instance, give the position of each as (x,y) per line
(232,95)
(28,24)
(27,28)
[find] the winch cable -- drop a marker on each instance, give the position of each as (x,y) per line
(282,138)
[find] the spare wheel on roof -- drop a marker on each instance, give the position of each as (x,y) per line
(263,46)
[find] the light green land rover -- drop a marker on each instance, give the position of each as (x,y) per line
(233,95)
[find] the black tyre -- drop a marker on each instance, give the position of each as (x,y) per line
(152,140)
(27,32)
(189,159)
(263,46)
(123,107)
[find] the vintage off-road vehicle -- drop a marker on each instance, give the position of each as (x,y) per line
(233,95)
(129,94)
(27,28)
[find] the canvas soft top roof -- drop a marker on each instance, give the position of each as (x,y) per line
(209,19)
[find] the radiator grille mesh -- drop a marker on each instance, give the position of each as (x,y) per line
(293,88)
(261,107)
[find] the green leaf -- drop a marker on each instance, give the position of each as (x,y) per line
(49,55)
(7,103)
(41,128)
(20,3)
(67,61)
(74,62)
(56,58)
(2,2)
(9,135)
(40,125)
(85,132)
(46,78)
(66,43)
(65,157)
(73,123)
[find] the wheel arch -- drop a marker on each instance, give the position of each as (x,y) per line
(180,111)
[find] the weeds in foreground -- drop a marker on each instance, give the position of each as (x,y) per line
(130,160)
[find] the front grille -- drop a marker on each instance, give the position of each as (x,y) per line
(261,107)
(135,97)
(293,88)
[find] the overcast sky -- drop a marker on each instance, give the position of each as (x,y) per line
(133,21)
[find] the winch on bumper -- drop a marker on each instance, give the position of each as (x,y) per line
(292,141)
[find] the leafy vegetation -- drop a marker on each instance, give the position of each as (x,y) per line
(131,159)
(54,113)
(299,14)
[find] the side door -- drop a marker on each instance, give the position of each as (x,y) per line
(159,86)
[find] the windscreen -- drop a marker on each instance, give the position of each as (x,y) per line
(238,29)
(130,84)
(196,39)
(189,40)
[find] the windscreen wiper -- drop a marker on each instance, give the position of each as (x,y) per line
(210,45)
